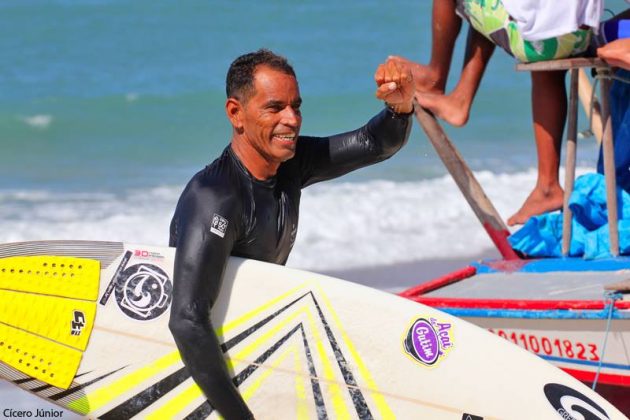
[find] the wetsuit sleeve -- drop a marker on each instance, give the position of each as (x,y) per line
(200,261)
(323,158)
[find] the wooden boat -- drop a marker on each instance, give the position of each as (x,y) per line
(558,309)
(572,312)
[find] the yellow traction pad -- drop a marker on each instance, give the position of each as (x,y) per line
(67,321)
(47,312)
(58,276)
(38,357)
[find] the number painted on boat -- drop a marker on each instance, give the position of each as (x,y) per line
(543,345)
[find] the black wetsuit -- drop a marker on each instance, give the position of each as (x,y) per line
(225,211)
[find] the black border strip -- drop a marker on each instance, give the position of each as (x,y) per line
(317,391)
(74,389)
(142,400)
(114,280)
(47,386)
(152,394)
(363,411)
(146,398)
(205,409)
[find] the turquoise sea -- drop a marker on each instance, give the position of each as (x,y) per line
(110,95)
(108,107)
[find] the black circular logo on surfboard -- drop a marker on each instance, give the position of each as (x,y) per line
(571,404)
(143,291)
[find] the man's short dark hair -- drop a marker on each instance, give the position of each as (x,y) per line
(239,83)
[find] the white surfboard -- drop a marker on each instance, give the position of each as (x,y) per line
(85,326)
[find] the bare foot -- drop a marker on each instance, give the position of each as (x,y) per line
(449,108)
(540,201)
(425,78)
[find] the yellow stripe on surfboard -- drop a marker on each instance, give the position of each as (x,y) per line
(192,392)
(251,389)
(51,275)
(300,388)
(226,328)
(382,406)
(102,396)
(185,397)
(176,404)
(336,392)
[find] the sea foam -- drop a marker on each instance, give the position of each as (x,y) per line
(342,225)
(38,121)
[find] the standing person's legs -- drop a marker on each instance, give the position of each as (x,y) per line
(549,110)
(445,30)
(454,108)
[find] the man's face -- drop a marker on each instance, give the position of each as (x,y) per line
(271,117)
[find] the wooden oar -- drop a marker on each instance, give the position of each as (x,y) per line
(569,171)
(467,183)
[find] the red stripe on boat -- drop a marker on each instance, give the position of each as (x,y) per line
(441,302)
(447,279)
(604,378)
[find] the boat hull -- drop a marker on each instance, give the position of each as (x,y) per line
(557,309)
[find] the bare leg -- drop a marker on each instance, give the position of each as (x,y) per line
(445,29)
(454,108)
(549,109)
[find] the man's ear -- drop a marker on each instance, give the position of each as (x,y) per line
(234,111)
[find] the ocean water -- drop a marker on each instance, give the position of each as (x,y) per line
(108,107)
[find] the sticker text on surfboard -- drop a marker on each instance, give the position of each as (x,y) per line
(428,340)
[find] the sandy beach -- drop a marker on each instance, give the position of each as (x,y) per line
(398,277)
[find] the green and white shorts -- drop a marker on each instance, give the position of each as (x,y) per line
(490,18)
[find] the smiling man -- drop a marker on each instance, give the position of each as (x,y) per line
(246,202)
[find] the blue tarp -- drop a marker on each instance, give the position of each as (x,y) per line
(541,236)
